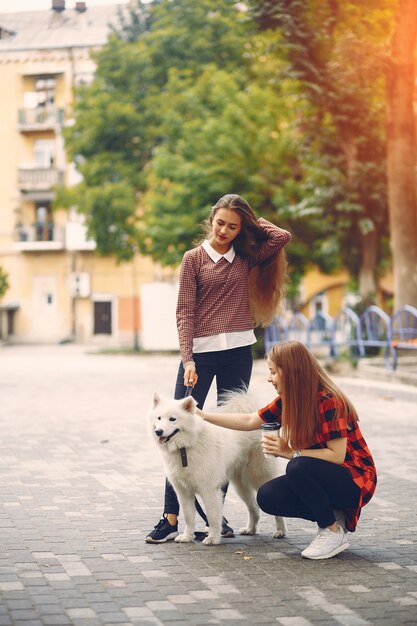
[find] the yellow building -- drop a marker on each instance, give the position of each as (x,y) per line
(60,288)
(329,293)
(322,293)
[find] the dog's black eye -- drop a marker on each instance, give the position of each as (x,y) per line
(172,419)
(159,417)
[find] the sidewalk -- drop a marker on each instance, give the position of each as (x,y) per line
(81,484)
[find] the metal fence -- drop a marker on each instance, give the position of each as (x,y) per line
(373,330)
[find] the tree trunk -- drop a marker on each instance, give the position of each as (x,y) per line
(369,242)
(367,283)
(401,155)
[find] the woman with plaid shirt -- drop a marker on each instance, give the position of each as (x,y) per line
(229,283)
(331,474)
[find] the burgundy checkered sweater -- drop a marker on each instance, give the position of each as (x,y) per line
(213,297)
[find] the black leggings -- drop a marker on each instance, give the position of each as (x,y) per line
(311,489)
(232,370)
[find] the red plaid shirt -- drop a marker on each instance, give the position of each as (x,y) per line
(213,297)
(358,460)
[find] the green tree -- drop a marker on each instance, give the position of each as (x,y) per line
(334,48)
(117,118)
(221,135)
(226,133)
(188,104)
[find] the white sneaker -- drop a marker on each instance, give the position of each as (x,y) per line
(326,544)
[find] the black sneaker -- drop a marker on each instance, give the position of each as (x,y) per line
(162,532)
(226,530)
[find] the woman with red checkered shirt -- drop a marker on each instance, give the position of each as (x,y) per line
(231,282)
(331,474)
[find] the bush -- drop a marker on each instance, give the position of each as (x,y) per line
(4,282)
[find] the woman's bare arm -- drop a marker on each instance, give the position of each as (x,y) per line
(233,421)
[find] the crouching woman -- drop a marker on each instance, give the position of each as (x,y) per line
(331,474)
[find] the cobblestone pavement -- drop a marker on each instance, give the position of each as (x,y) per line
(81,485)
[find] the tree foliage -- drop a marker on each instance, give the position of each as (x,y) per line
(282,103)
(336,50)
(4,282)
(119,118)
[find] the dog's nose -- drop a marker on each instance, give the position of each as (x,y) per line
(159,432)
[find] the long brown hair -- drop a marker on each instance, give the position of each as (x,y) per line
(267,280)
(301,378)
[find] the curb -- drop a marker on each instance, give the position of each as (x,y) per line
(384,388)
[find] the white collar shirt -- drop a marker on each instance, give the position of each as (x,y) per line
(216,256)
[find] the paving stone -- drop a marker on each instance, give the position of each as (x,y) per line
(76,511)
(79,613)
(23,615)
(113,618)
(56,620)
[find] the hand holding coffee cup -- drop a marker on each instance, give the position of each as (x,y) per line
(270,430)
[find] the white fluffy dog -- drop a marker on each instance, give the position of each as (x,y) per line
(199,458)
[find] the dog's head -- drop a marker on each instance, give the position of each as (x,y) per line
(173,422)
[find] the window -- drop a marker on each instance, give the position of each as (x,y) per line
(6,34)
(43,95)
(43,222)
(45,91)
(44,152)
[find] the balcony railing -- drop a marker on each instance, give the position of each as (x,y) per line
(39,236)
(40,119)
(39,178)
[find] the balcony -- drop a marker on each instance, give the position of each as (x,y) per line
(30,120)
(39,178)
(40,236)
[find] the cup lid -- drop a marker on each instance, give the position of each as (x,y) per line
(270,426)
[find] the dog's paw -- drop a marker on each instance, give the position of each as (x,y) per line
(247,531)
(211,541)
(281,528)
(184,538)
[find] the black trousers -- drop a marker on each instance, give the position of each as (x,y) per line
(232,369)
(311,489)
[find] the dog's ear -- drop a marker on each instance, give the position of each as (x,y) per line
(156,398)
(189,404)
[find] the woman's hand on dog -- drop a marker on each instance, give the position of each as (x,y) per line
(276,446)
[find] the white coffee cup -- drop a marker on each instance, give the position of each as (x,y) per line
(271,429)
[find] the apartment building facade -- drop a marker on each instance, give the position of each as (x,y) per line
(60,288)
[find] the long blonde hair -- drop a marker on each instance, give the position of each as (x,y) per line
(301,379)
(267,280)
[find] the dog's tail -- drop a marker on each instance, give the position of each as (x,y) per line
(238,401)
